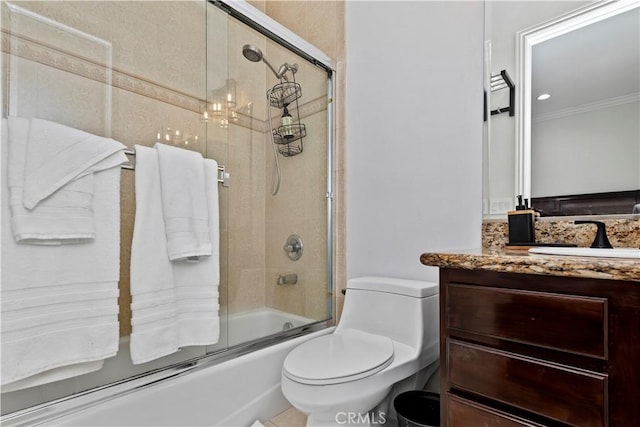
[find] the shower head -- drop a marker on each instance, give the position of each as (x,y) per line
(253,54)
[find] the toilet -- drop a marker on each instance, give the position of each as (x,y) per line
(388,333)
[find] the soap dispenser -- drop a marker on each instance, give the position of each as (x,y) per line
(521,224)
(286,122)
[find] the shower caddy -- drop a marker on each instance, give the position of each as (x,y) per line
(288,136)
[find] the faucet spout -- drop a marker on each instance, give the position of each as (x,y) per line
(601,241)
(289,279)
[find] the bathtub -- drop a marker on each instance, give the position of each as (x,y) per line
(244,327)
(231,388)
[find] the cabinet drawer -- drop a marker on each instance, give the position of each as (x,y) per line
(562,322)
(463,413)
(575,397)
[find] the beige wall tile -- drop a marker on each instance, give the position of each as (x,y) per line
(246,290)
(291,14)
(35,96)
(124,284)
(258,4)
(322,24)
(289,298)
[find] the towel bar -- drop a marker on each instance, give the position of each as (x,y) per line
(223,175)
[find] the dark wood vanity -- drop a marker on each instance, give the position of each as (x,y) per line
(535,341)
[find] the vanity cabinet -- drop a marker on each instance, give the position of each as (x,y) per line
(538,350)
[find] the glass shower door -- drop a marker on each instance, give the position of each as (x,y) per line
(267,292)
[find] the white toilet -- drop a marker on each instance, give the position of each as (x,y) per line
(388,332)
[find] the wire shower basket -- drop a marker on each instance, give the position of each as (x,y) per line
(288,136)
(284,93)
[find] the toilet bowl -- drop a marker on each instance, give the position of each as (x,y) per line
(388,332)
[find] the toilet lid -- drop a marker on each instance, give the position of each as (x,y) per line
(339,357)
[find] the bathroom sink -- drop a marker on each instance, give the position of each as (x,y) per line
(588,252)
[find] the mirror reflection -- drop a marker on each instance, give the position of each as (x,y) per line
(577,148)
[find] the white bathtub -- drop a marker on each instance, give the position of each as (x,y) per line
(244,327)
(234,392)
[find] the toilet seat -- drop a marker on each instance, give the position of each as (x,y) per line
(340,357)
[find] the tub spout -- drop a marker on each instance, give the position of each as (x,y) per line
(289,279)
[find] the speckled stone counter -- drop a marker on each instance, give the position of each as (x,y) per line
(622,232)
(522,262)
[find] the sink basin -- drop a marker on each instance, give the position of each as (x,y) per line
(588,252)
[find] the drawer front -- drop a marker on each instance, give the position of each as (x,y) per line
(576,397)
(562,322)
(463,413)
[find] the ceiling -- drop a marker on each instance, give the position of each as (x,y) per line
(588,66)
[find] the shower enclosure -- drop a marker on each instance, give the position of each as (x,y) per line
(174,72)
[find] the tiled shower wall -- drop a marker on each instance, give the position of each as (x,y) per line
(322,24)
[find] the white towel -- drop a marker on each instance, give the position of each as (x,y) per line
(174,304)
(59,303)
(56,374)
(184,202)
(51,181)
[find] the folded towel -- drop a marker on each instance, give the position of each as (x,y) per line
(174,304)
(51,181)
(57,154)
(59,303)
(184,202)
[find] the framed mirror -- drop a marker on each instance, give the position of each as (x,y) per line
(577,152)
(579,125)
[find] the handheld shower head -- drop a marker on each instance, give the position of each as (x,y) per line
(254,54)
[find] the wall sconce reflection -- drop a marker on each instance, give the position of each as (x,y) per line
(176,137)
(221,105)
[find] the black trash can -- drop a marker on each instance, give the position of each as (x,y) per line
(417,408)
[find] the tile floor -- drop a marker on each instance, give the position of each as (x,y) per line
(289,418)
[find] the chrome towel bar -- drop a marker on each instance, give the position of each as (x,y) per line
(223,175)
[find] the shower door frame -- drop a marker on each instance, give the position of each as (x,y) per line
(252,17)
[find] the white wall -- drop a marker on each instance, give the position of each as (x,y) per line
(414,133)
(588,152)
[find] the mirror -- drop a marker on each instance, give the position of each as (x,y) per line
(577,152)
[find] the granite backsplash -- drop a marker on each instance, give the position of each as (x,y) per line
(622,232)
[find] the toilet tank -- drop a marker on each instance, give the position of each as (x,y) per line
(403,310)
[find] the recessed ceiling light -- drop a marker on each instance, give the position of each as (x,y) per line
(544,96)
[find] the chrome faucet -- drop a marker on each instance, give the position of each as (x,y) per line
(289,279)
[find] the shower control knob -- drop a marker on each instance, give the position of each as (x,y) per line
(293,247)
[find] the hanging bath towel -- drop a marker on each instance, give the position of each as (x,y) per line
(184,203)
(174,303)
(59,303)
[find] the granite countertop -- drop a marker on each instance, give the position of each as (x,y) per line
(523,262)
